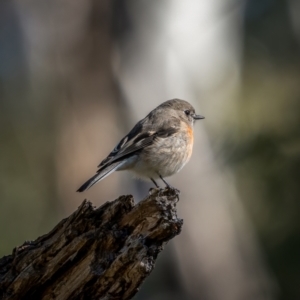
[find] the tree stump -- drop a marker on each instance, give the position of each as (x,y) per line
(95,253)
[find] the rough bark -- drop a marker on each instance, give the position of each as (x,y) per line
(95,253)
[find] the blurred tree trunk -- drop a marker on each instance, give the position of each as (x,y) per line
(70,50)
(103,253)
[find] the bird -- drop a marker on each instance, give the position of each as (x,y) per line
(158,146)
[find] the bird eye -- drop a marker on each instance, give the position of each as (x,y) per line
(187,112)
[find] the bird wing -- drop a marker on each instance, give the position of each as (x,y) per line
(138,138)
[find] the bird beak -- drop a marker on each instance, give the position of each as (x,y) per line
(198,117)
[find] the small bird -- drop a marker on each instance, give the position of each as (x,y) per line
(158,146)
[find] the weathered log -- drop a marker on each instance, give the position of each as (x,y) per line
(95,253)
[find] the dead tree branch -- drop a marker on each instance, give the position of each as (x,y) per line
(95,253)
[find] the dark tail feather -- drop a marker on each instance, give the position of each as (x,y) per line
(101,174)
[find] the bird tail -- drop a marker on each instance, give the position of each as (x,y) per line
(101,174)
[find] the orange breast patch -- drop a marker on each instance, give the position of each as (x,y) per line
(190,140)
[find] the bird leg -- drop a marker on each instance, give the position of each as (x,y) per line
(154,183)
(168,185)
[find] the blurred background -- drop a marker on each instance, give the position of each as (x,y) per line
(75,76)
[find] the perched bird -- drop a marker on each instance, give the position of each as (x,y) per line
(158,146)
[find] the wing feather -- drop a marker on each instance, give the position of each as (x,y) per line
(134,143)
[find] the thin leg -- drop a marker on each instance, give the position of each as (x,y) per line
(154,183)
(169,186)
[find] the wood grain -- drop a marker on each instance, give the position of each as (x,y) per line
(95,253)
